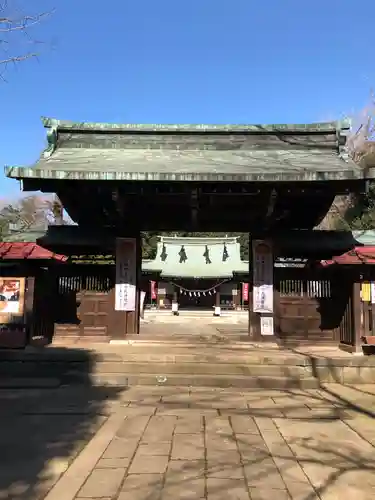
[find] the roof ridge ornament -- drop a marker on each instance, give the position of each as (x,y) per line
(343,129)
(51,126)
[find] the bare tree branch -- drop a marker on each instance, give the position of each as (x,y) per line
(31,213)
(363,132)
(16,41)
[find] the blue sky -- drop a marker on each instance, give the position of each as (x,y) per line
(201,61)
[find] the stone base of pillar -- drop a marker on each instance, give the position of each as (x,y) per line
(217,311)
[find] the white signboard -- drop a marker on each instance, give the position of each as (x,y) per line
(142,300)
(262,277)
(126,274)
(266,325)
(372,293)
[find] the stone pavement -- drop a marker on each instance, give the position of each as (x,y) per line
(149,443)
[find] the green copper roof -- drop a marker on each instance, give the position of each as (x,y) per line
(198,257)
(102,151)
(332,126)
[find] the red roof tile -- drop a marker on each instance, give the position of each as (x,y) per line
(359,255)
(21,251)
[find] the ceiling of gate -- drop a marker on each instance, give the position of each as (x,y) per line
(198,207)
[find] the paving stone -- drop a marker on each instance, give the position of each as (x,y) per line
(218,425)
(192,425)
(261,472)
(219,457)
(184,479)
(220,443)
(159,428)
(190,489)
(265,424)
(252,445)
(141,487)
(290,470)
(268,455)
(188,447)
(143,464)
(154,449)
(244,425)
(102,483)
(133,427)
(181,470)
(113,463)
(268,494)
(223,489)
(102,498)
(225,470)
(303,491)
(121,448)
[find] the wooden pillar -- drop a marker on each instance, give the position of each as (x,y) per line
(236,296)
(358,330)
(217,310)
(125,295)
(256,331)
(254,318)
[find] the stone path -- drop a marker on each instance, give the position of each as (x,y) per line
(159,443)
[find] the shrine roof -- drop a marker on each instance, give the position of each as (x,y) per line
(29,251)
(103,151)
(356,256)
(206,257)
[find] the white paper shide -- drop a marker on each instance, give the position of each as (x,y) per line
(262,277)
(126,273)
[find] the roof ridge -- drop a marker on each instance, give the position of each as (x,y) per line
(318,127)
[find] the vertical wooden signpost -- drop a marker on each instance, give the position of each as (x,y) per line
(126,301)
(263,285)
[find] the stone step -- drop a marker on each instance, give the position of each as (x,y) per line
(175,380)
(119,360)
(251,370)
(196,380)
(30,382)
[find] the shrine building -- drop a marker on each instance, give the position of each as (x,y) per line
(196,273)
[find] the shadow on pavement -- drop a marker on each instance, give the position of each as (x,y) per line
(43,429)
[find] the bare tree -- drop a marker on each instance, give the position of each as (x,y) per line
(31,213)
(16,34)
(359,145)
(361,139)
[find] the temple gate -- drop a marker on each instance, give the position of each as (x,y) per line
(117,180)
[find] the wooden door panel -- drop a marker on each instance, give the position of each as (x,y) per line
(94,313)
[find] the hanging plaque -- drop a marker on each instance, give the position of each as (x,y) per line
(126,274)
(262,277)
